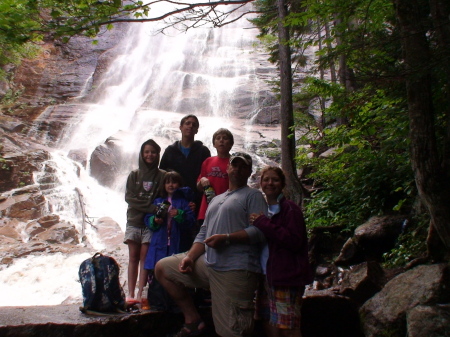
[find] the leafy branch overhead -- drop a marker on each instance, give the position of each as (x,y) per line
(27,20)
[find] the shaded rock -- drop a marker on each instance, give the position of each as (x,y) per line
(325,243)
(362,281)
(269,112)
(385,313)
(371,240)
(104,164)
(67,320)
(109,160)
(429,321)
(325,314)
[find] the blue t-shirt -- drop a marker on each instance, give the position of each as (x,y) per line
(185,150)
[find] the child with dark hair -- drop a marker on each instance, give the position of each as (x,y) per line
(172,219)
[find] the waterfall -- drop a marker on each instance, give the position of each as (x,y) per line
(152,83)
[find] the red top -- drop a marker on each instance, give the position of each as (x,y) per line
(215,169)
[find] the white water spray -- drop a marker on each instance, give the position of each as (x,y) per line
(152,83)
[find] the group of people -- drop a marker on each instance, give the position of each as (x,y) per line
(194,223)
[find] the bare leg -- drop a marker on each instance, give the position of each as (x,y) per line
(180,295)
(143,273)
(133,266)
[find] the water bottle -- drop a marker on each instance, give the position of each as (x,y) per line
(144,300)
(209,193)
(162,209)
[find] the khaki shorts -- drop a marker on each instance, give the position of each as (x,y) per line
(137,234)
(232,293)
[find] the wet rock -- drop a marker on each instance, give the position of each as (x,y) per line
(429,321)
(62,232)
(16,169)
(25,206)
(386,312)
(104,163)
(9,232)
(79,155)
(48,220)
(33,228)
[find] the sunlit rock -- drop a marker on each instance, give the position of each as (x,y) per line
(62,232)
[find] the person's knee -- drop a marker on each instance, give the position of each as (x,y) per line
(159,271)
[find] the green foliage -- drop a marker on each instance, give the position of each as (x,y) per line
(368,172)
(410,245)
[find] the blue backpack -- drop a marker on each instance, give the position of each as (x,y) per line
(102,292)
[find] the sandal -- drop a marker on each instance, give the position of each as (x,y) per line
(191,329)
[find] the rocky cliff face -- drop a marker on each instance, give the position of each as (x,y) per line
(49,89)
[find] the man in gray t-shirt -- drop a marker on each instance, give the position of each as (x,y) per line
(223,258)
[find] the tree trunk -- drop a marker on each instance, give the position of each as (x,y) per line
(293,186)
(432,181)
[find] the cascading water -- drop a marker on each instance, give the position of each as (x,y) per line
(151,84)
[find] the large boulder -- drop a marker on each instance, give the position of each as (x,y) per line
(110,232)
(385,314)
(429,321)
(371,240)
(105,161)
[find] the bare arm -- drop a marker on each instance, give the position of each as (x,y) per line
(221,240)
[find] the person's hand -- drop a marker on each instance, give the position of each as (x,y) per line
(254,216)
(186,265)
(158,221)
(173,212)
(204,182)
(192,206)
(216,240)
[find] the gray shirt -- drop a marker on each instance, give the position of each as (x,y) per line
(227,213)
